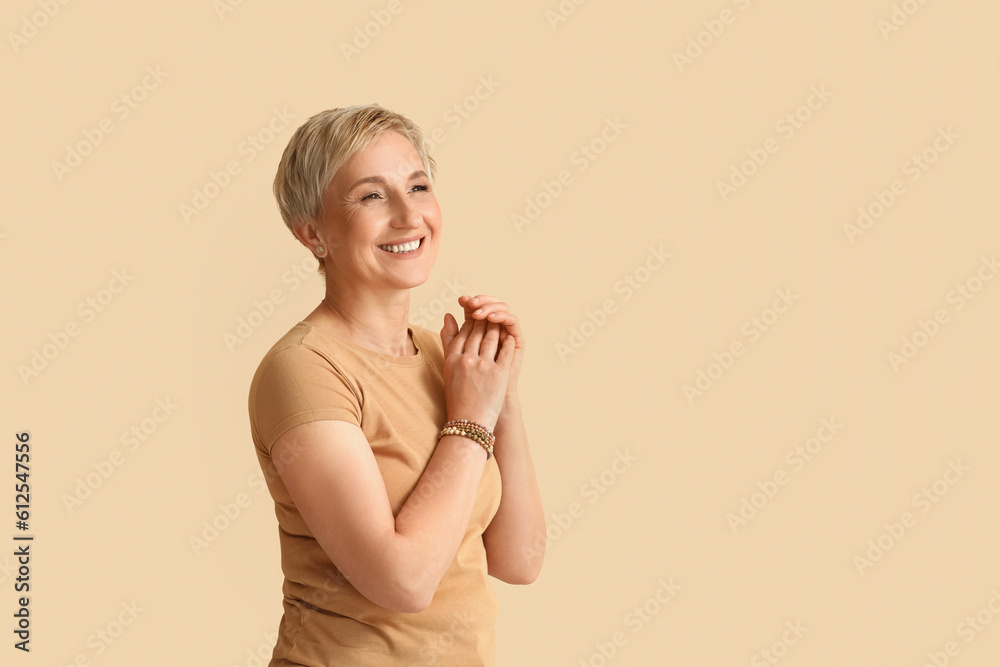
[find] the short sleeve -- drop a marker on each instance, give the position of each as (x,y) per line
(295,385)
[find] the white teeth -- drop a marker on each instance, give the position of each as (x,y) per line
(405,247)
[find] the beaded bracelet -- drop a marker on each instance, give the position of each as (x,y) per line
(472,426)
(471,430)
(475,427)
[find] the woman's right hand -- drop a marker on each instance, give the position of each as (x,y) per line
(475,376)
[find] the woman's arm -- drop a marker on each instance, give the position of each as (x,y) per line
(332,476)
(515,538)
(397,563)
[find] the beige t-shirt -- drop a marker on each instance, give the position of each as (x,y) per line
(313,373)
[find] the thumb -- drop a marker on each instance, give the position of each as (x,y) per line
(449,330)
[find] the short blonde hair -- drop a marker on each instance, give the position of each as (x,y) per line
(323,144)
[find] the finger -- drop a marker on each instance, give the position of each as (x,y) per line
(466,301)
(491,313)
(506,355)
(513,326)
(466,308)
(459,341)
(488,350)
(475,340)
(498,315)
(489,308)
(499,312)
(474,302)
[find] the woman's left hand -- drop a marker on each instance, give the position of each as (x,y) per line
(483,307)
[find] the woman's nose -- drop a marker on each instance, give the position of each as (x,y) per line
(406,213)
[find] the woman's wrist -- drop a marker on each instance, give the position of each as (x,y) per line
(487,419)
(472,430)
(510,410)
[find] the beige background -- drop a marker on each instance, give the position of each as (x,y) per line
(682,128)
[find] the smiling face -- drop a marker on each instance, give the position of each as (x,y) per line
(381,221)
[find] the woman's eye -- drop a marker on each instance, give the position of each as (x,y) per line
(378,195)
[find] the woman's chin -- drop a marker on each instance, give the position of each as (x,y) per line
(408,280)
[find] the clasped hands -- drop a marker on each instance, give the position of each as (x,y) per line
(490,309)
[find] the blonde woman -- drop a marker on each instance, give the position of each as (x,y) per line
(385,445)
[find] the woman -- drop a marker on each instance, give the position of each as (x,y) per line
(389,506)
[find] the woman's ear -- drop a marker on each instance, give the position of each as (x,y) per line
(306,233)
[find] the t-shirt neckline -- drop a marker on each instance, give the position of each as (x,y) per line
(409,360)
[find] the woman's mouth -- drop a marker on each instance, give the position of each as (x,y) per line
(403,248)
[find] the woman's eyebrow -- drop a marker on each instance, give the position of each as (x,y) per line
(378,179)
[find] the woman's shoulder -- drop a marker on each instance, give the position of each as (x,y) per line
(297,339)
(305,359)
(300,346)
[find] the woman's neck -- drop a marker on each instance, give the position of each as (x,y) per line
(369,327)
